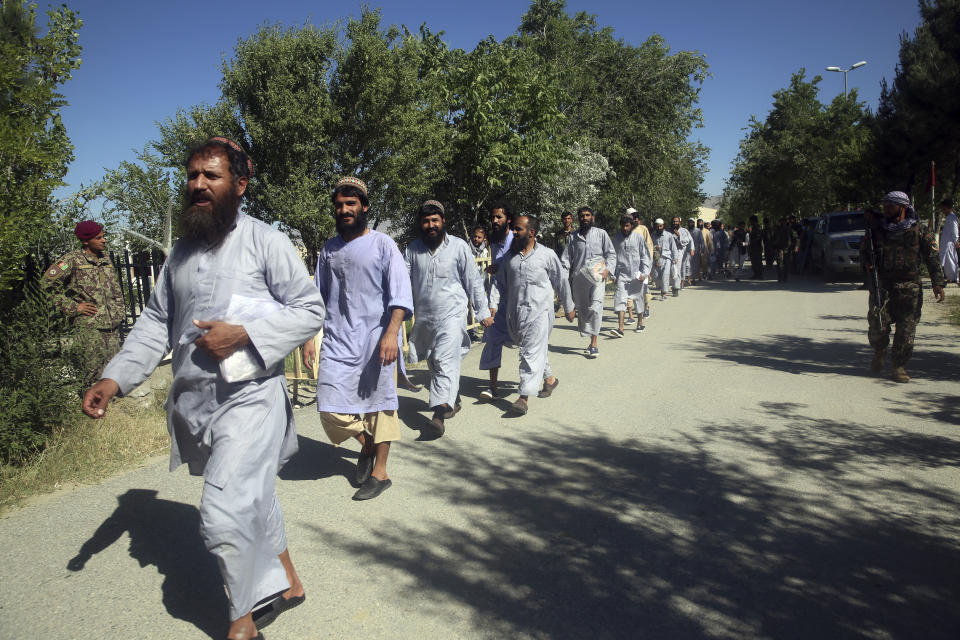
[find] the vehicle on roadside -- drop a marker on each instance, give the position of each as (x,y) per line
(835,250)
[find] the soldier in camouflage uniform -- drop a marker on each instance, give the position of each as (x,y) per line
(86,288)
(900,246)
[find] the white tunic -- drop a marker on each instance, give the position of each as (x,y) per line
(948,247)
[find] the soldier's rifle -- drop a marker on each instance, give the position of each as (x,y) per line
(873,276)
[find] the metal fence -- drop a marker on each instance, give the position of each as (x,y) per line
(138,274)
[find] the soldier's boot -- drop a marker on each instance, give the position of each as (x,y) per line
(899,375)
(879,355)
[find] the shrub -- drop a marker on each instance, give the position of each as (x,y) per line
(41,371)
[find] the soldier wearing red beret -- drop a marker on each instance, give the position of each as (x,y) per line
(86,289)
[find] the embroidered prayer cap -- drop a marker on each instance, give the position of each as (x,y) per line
(433,203)
(631,211)
(897,197)
(236,147)
(658,221)
(87,229)
(353,182)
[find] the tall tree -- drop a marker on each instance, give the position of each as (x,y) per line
(34,147)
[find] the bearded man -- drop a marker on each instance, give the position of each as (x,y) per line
(362,278)
(896,247)
(589,246)
(496,335)
(232,300)
(524,287)
(444,280)
(680,272)
(666,256)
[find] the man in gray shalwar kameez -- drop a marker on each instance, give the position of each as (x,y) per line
(444,279)
(495,335)
(681,272)
(524,287)
(632,272)
(666,251)
(232,300)
(587,243)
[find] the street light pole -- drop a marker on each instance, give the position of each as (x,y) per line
(844,72)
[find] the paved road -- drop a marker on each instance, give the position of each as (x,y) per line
(734,472)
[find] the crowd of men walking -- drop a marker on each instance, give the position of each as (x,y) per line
(234,299)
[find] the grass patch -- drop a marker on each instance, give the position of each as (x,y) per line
(952,310)
(85,451)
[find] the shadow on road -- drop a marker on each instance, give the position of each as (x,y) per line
(801,355)
(790,537)
(166,535)
(315,460)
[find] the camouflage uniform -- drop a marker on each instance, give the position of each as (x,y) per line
(82,277)
(900,257)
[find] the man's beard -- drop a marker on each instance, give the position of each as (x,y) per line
(518,244)
(434,241)
(498,234)
(210,224)
(676,227)
(585,227)
(359,224)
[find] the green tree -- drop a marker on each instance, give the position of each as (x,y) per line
(34,147)
(637,106)
(804,158)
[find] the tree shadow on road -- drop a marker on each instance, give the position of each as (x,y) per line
(788,536)
(315,460)
(166,534)
(802,355)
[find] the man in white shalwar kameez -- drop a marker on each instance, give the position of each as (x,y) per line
(587,243)
(632,272)
(233,299)
(666,255)
(948,241)
(444,279)
(524,288)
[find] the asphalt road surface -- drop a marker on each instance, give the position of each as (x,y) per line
(733,472)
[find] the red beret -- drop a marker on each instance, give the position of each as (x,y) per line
(87,229)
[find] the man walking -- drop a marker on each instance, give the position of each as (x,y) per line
(697,245)
(632,272)
(948,241)
(680,272)
(666,254)
(562,237)
(786,243)
(444,281)
(85,288)
(641,229)
(362,278)
(524,286)
(588,258)
(896,247)
(232,300)
(495,335)
(755,248)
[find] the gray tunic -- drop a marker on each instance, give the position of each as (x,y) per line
(443,283)
(633,266)
(236,434)
(588,296)
(524,288)
(669,249)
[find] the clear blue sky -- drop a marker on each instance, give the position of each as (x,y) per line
(143,60)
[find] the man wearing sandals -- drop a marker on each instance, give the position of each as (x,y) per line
(524,287)
(445,279)
(232,300)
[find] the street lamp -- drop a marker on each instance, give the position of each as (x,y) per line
(844,72)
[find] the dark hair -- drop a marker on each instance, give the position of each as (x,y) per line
(627,218)
(584,208)
(565,214)
(350,191)
(429,210)
(239,162)
(947,202)
(533,222)
(503,204)
(479,227)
